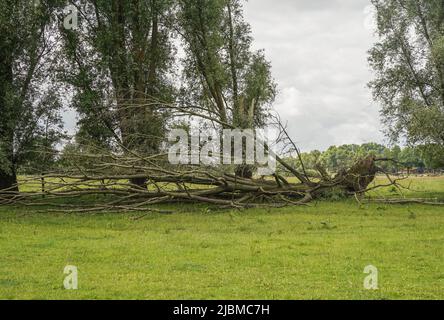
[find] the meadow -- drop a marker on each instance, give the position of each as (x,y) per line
(307,252)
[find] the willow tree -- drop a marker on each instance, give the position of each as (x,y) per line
(409,65)
(119,60)
(28,109)
(224,76)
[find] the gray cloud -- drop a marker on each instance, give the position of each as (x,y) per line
(318,51)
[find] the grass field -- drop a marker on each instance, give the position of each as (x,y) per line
(315,252)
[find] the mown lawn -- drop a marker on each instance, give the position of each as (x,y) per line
(315,252)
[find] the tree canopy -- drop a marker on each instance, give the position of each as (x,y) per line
(409,64)
(29,98)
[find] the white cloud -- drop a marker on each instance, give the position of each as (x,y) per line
(287,102)
(370,18)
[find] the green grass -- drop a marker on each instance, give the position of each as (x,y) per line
(315,252)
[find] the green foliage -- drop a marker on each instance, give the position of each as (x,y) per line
(118,61)
(222,73)
(4,162)
(432,155)
(409,65)
(29,95)
(411,157)
(337,158)
(75,155)
(334,194)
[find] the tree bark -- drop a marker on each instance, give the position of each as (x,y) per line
(8,180)
(359,176)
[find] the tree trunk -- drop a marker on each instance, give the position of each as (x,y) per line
(359,176)
(8,181)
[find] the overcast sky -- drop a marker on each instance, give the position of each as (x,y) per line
(318,50)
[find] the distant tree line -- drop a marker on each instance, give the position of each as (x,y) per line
(424,158)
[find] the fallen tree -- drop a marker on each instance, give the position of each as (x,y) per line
(166,184)
(108,181)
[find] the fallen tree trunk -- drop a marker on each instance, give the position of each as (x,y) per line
(165,185)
